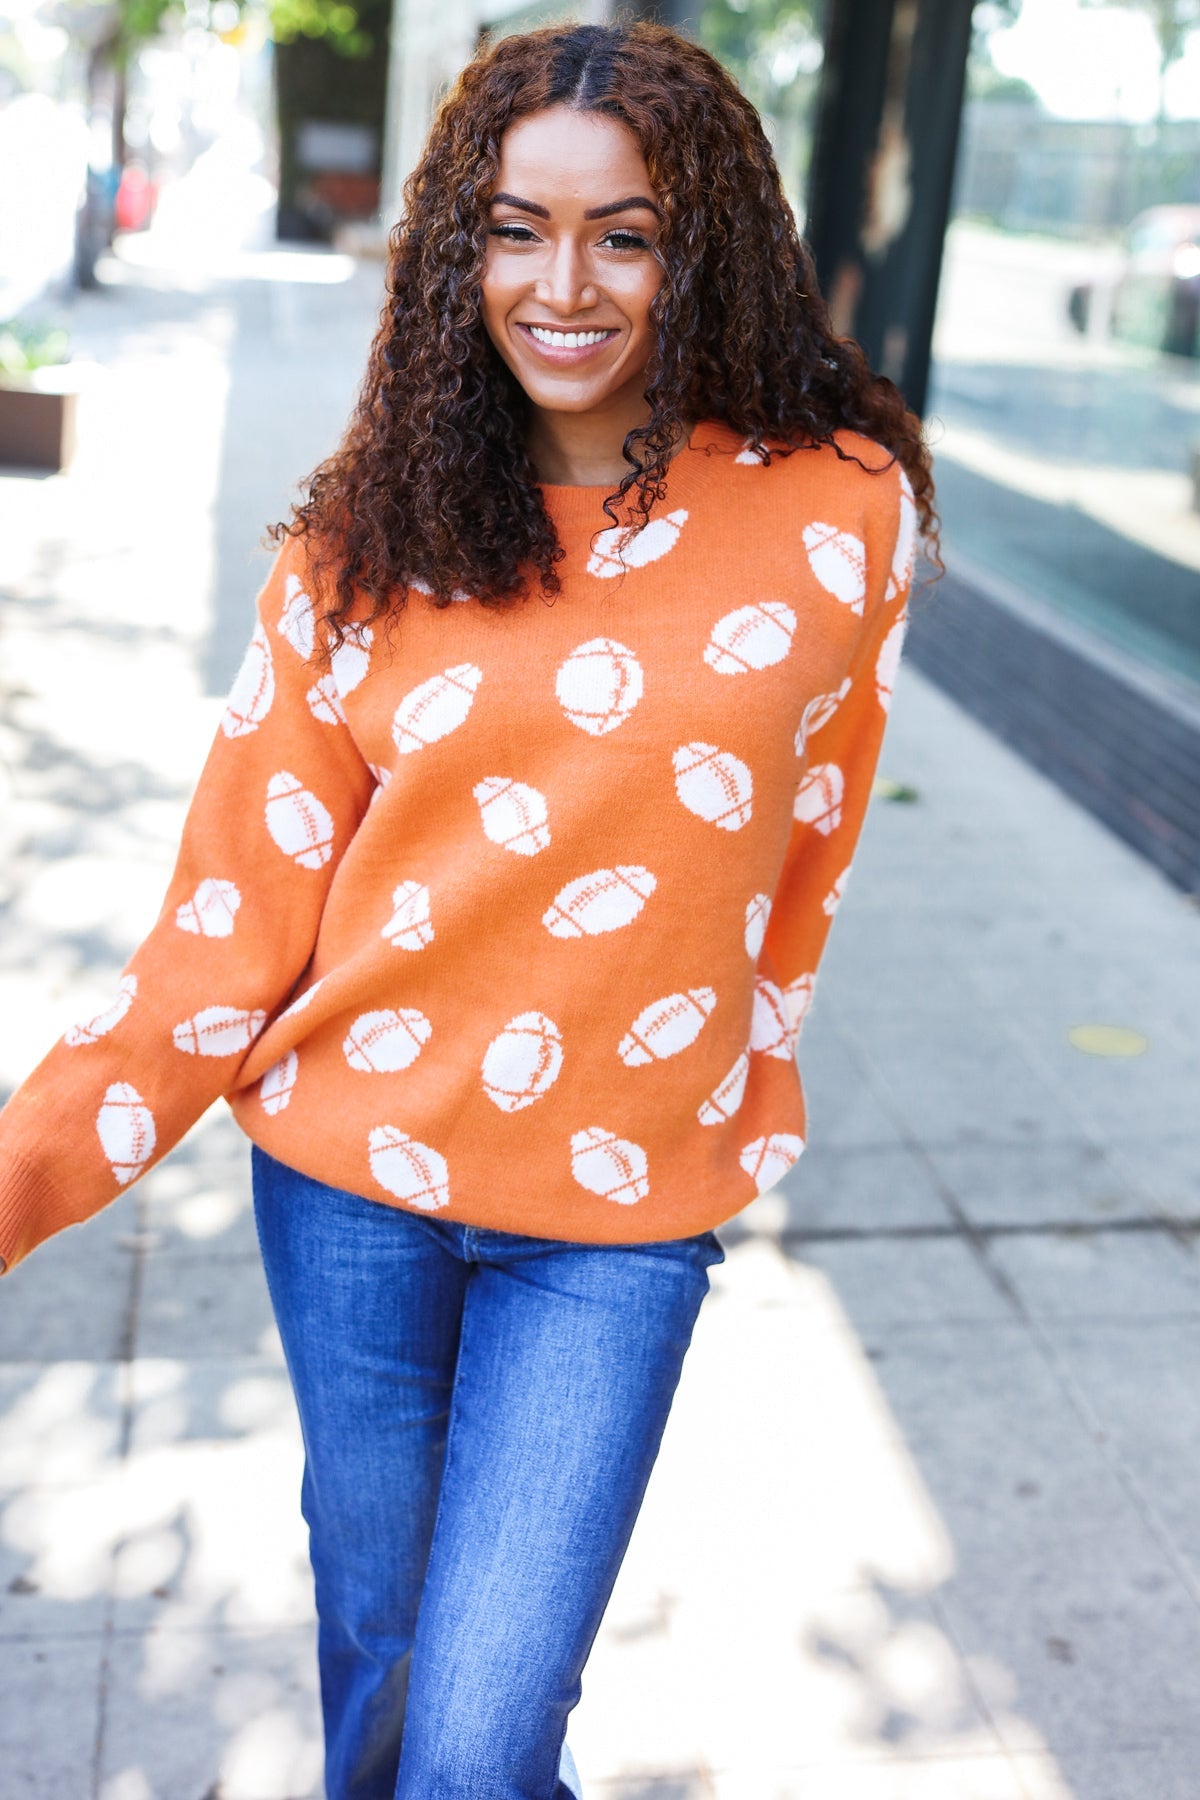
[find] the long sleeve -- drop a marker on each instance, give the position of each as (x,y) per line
(281,794)
(838,751)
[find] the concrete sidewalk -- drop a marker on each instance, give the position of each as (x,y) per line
(924,1522)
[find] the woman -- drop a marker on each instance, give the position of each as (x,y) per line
(504,887)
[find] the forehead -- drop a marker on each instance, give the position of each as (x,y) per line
(568,155)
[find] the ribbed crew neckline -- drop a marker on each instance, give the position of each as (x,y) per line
(568,504)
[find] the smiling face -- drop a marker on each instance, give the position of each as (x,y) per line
(570,271)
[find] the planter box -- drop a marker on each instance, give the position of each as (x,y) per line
(37,419)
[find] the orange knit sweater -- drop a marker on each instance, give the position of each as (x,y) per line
(514,914)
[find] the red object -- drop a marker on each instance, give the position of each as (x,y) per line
(136,195)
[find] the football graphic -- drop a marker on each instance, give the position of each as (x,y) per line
(296,621)
(817,713)
(599,685)
(726,1097)
(797,998)
(819,798)
(253,689)
(751,637)
(714,785)
(906,542)
(602,901)
(87,1031)
(833,898)
(769,1158)
(324,701)
(218,1031)
(298,822)
(379,1043)
(306,999)
(610,1166)
(275,1088)
(352,658)
(770,1027)
(748,457)
(211,910)
(513,815)
(435,708)
(409,927)
(666,1027)
(758,911)
(125,1126)
(522,1062)
(411,1171)
(623,547)
(889,661)
(839,561)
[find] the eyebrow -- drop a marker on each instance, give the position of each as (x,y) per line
(593,212)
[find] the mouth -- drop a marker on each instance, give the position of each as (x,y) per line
(561,347)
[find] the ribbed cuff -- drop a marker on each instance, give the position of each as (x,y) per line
(31,1209)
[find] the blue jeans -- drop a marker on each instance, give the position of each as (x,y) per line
(481,1412)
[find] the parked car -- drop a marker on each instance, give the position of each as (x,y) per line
(1155,299)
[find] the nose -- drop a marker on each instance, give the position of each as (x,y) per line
(567,285)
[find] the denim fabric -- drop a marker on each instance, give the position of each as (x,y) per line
(481,1412)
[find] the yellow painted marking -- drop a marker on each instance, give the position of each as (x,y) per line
(1108,1040)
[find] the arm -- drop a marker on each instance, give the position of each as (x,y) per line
(280,796)
(839,751)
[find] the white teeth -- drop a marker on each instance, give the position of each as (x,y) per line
(570,340)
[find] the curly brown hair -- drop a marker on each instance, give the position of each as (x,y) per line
(433,485)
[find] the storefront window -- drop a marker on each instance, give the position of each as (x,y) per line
(1065,402)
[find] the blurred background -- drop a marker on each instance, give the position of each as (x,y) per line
(924,1523)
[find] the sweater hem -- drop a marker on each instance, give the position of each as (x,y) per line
(31,1210)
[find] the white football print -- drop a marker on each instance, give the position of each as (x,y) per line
(306,999)
(818,713)
(125,1126)
(758,911)
(522,1062)
(770,1027)
(751,637)
(352,658)
(211,910)
(218,1031)
(797,998)
(749,458)
(298,822)
(602,901)
(726,1097)
(253,689)
(324,701)
(379,1043)
(413,1172)
(599,685)
(839,561)
(666,1027)
(906,541)
(435,708)
(714,785)
(769,1158)
(275,1088)
(623,547)
(296,621)
(88,1030)
(833,898)
(513,815)
(889,661)
(819,798)
(610,1166)
(409,927)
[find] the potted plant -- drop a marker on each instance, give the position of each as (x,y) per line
(38,397)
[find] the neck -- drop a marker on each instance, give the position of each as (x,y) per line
(584,449)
